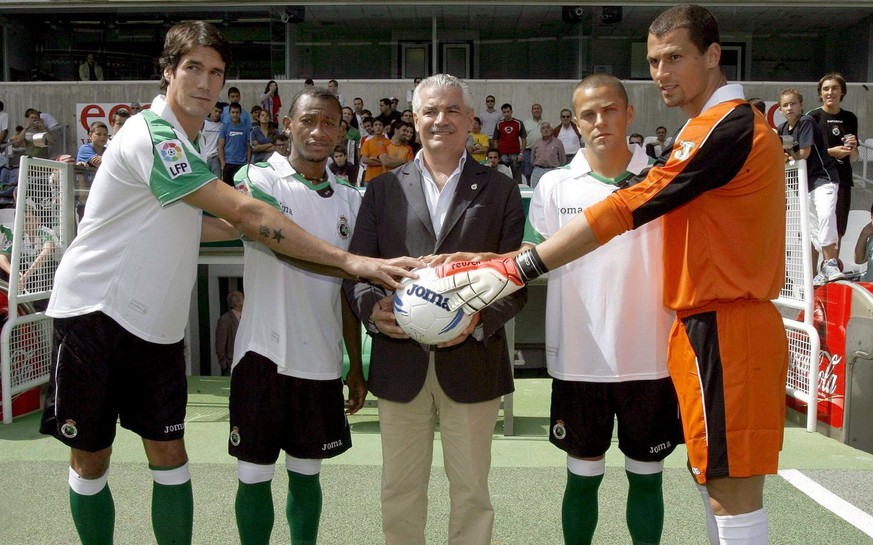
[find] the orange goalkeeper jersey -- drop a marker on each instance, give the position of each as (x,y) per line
(722,197)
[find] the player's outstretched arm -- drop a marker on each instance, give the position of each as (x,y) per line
(476,285)
(327,270)
(261,222)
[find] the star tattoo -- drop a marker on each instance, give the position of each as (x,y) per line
(277,234)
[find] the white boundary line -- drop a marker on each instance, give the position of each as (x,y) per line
(830,501)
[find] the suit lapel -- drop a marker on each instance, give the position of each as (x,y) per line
(472,181)
(410,181)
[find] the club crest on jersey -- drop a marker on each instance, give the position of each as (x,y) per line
(69,429)
(343,227)
(173,157)
(234,436)
(558,430)
(683,150)
(835,131)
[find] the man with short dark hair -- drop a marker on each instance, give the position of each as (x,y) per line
(90,70)
(490,117)
(119,119)
(122,290)
(358,105)
(399,150)
(333,87)
(288,366)
(720,274)
(234,150)
(33,137)
(615,369)
(387,115)
(492,159)
(233,95)
(372,150)
(510,138)
(840,130)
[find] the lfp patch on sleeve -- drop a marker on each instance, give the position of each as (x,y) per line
(173,157)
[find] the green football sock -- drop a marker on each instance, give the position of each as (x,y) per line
(254,512)
(94,516)
(579,509)
(645,508)
(172,509)
(304,507)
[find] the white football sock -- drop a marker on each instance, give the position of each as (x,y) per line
(748,528)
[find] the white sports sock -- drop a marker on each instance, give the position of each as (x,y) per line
(172,477)
(642,468)
(250,473)
(748,528)
(303,466)
(586,468)
(711,526)
(87,487)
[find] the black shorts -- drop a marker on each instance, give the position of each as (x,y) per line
(103,374)
(582,417)
(270,412)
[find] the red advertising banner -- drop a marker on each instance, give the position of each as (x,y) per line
(832,310)
(87,113)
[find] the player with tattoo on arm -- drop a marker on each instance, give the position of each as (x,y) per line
(286,386)
(123,288)
(721,194)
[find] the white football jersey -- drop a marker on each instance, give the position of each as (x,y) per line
(292,316)
(135,257)
(605,321)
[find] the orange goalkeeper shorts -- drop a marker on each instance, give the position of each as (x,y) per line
(728,363)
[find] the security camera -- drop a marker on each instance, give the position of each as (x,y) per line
(610,15)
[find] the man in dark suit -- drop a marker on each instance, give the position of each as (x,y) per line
(441,202)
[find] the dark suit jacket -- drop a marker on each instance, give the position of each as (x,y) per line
(485,216)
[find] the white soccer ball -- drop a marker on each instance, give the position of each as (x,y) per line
(424,314)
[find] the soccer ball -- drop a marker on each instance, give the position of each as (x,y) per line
(424,314)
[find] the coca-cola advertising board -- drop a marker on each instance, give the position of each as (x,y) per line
(835,303)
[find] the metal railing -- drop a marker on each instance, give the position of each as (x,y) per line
(797,294)
(44,225)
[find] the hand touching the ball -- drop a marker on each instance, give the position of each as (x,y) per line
(464,334)
(382,317)
(473,286)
